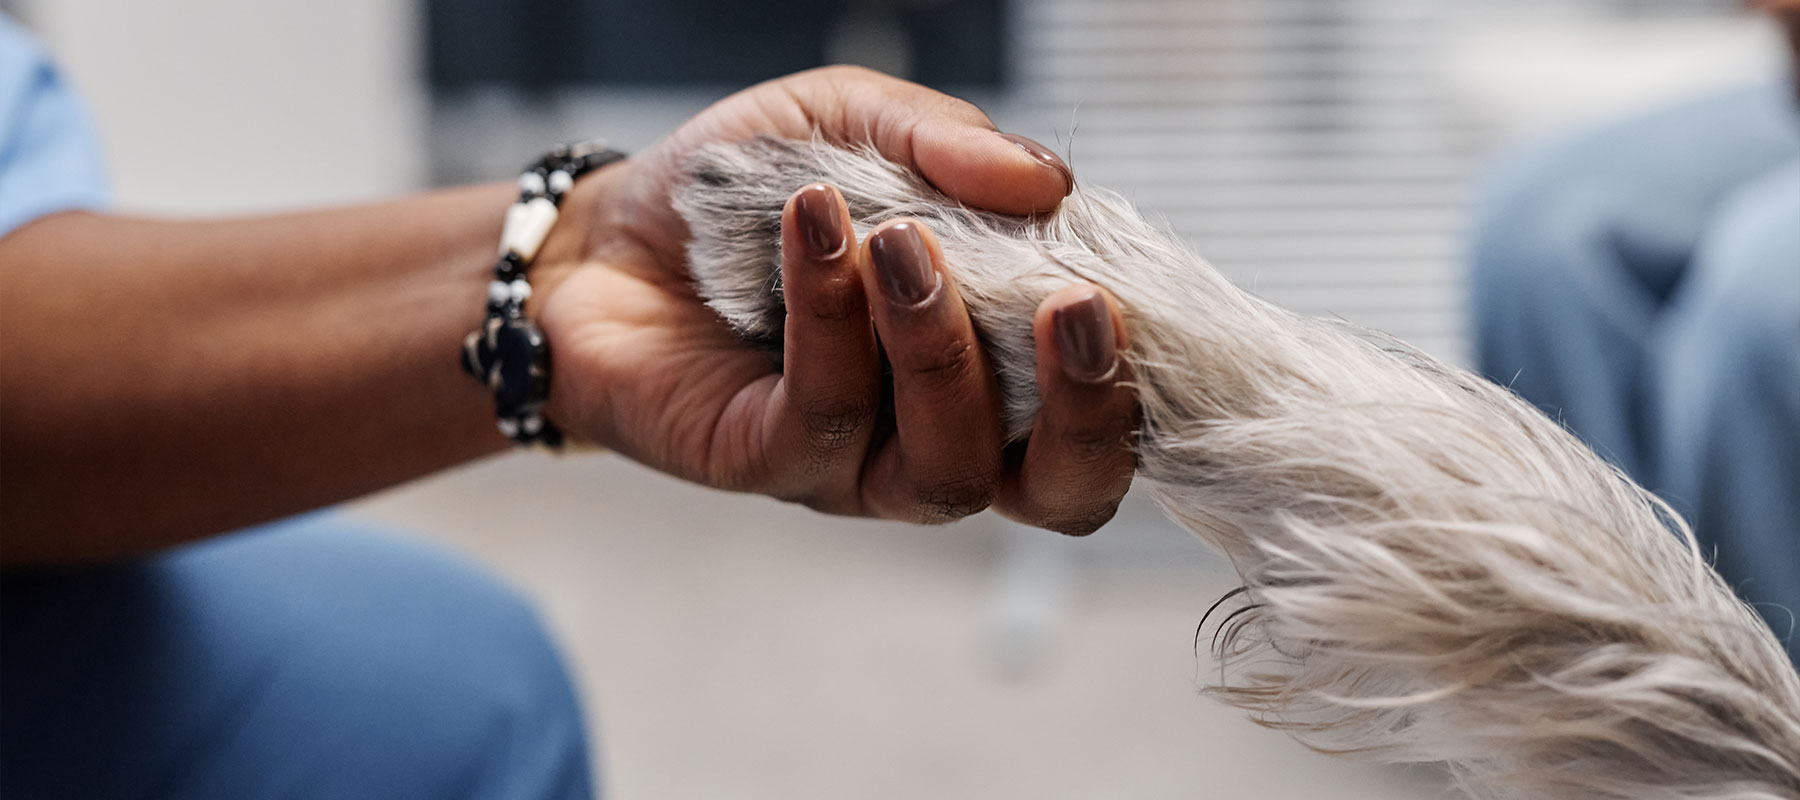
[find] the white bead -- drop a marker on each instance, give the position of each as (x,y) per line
(561,181)
(531,183)
(519,290)
(533,424)
(498,291)
(508,427)
(527,224)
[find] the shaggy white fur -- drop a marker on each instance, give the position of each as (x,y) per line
(1434,570)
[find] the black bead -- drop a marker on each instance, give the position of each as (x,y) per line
(550,435)
(598,159)
(519,350)
(509,267)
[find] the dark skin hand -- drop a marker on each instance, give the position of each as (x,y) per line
(168,380)
(665,383)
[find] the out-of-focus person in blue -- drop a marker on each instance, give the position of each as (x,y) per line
(1641,281)
(166,382)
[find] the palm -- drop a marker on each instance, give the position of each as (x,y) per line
(685,394)
(660,363)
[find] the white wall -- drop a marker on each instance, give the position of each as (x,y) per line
(1530,74)
(231,105)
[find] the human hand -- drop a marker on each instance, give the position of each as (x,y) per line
(645,368)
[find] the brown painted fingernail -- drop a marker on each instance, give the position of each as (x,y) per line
(1045,156)
(1084,334)
(903,263)
(821,226)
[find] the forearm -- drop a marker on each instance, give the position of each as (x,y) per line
(167,380)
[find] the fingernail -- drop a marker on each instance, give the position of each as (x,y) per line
(821,226)
(903,263)
(1084,334)
(1045,156)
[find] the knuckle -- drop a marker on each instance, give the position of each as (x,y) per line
(954,497)
(849,78)
(959,107)
(834,422)
(943,365)
(838,298)
(1094,447)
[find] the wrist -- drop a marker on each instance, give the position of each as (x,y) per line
(508,353)
(578,242)
(584,232)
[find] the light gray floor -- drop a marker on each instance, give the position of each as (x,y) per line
(731,646)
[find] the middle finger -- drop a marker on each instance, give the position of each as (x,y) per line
(944,461)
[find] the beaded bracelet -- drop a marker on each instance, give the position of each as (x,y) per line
(508,353)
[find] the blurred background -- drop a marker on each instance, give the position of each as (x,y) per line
(1320,152)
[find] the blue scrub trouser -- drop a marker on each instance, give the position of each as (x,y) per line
(1642,282)
(306,659)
